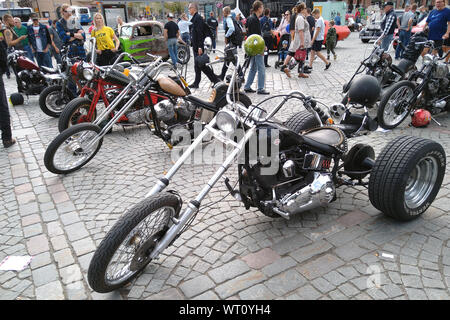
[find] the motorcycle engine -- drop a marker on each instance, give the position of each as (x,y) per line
(433,86)
(165,111)
(441,70)
(184,108)
(31,80)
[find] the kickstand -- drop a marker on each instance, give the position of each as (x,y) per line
(432,118)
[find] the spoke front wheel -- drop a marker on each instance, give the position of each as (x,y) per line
(394,106)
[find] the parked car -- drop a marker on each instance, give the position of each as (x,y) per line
(141,37)
(372,30)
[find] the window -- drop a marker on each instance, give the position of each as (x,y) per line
(145,31)
(126,31)
(157,30)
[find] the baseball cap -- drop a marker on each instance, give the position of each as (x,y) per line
(170,15)
(389,3)
(34,16)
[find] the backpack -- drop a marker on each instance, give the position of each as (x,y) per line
(237,36)
(266,30)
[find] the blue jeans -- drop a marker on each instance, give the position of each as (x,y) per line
(29,52)
(404,37)
(256,64)
(172,46)
(186,37)
(386,42)
(44,59)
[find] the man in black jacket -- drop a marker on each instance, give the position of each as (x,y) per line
(198,34)
(257,62)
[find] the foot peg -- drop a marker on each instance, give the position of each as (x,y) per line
(236,194)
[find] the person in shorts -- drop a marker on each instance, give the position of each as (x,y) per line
(317,40)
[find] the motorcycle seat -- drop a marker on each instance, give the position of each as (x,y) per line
(403,66)
(326,137)
(49,70)
(203,103)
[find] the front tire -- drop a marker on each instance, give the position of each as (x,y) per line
(406,177)
(133,235)
(393,109)
(75,112)
(52,100)
(68,152)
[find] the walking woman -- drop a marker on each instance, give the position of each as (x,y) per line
(302,40)
(106,50)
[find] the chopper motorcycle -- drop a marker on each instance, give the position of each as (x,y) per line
(31,79)
(153,99)
(308,171)
(427,88)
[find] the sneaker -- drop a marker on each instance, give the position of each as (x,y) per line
(262,92)
(302,75)
(328,65)
(9,143)
(288,73)
(250,90)
(306,71)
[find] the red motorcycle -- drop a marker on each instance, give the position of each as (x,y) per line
(31,79)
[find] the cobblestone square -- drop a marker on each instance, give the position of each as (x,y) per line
(348,250)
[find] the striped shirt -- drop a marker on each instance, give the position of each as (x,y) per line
(388,21)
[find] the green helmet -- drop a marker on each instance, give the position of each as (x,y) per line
(254,45)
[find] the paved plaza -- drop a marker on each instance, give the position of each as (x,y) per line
(348,250)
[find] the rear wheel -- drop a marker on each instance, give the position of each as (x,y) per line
(125,250)
(70,150)
(406,177)
(301,121)
(183,54)
(75,112)
(52,100)
(394,106)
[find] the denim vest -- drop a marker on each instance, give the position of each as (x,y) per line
(43,32)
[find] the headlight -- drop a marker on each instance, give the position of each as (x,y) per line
(88,74)
(226,121)
(427,59)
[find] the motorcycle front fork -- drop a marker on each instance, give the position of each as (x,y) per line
(194,205)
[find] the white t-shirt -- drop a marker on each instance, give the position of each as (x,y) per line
(38,39)
(321,25)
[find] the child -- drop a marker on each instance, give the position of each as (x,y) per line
(331,40)
(282,53)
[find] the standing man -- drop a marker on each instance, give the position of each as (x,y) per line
(183,25)
(5,121)
(40,40)
(317,40)
(438,21)
(171,34)
(404,24)
(257,62)
(11,37)
(213,24)
(55,48)
(266,28)
(71,33)
(199,32)
(22,31)
(387,25)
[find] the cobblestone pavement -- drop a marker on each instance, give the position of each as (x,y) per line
(348,250)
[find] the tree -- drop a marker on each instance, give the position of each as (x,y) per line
(25,3)
(175,7)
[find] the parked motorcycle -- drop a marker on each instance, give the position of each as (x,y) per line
(379,64)
(307,173)
(54,98)
(164,103)
(31,79)
(428,88)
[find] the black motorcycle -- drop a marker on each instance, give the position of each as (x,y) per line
(281,171)
(54,98)
(428,88)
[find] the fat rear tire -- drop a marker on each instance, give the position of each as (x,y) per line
(301,121)
(390,178)
(120,232)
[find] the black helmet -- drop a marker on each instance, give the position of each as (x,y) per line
(365,91)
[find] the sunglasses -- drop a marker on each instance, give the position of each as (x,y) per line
(73,11)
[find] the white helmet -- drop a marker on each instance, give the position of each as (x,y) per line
(208,44)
